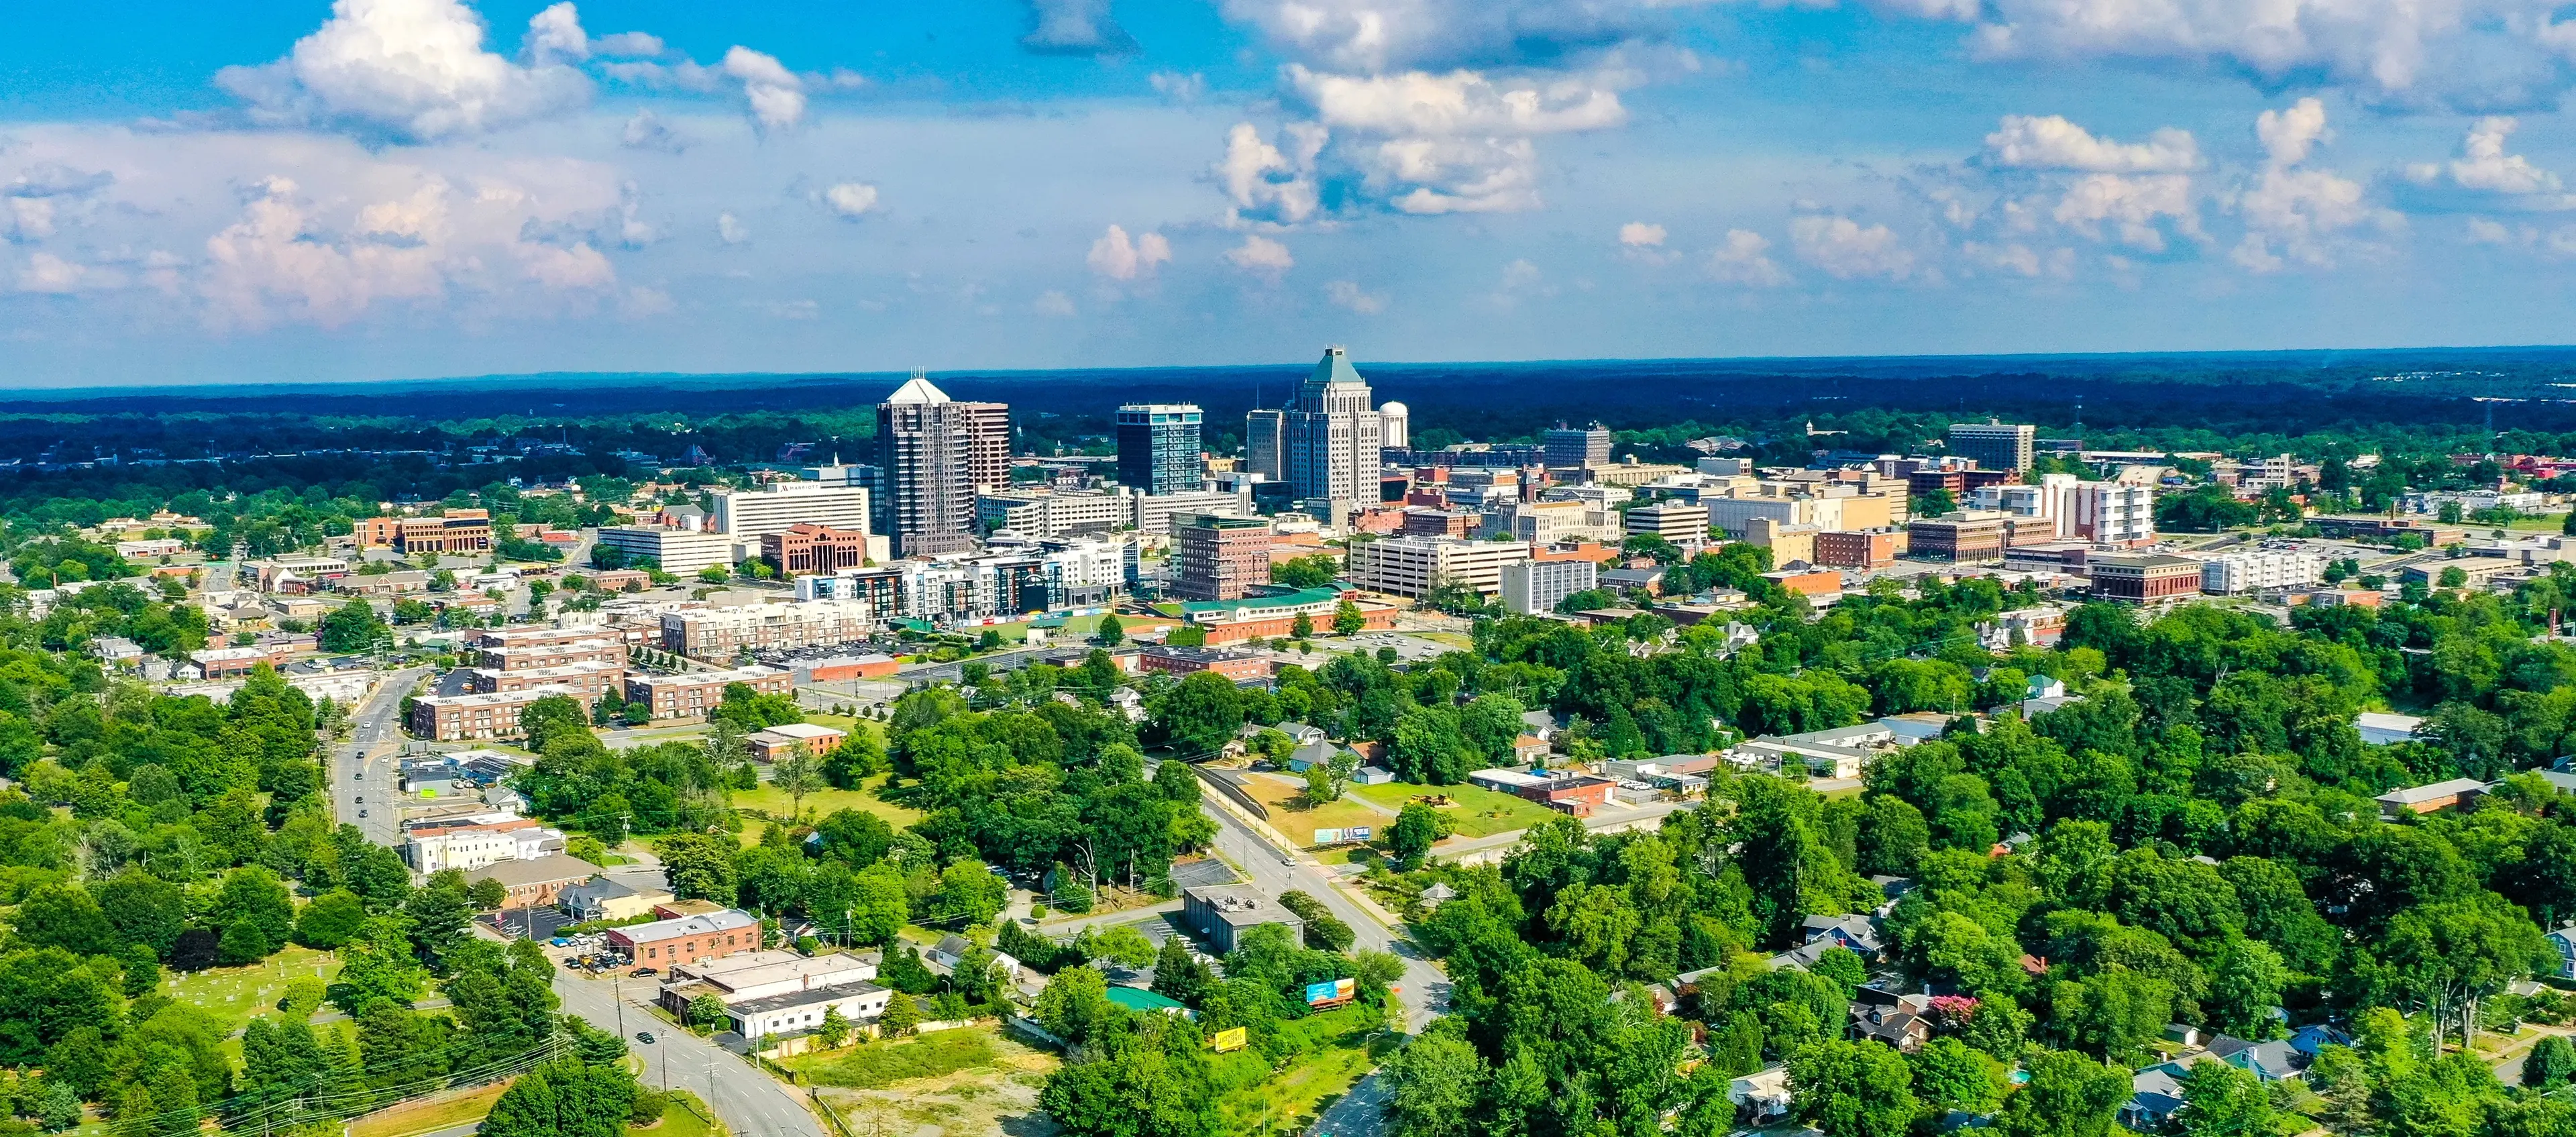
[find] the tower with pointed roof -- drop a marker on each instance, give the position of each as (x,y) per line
(934,452)
(1330,436)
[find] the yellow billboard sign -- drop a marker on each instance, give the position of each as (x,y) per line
(1231,1038)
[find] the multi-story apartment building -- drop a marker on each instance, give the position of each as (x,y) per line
(1412,566)
(879,588)
(803,549)
(454,718)
(500,650)
(1577,446)
(1158,447)
(1994,444)
(721,633)
(2111,513)
(2228,574)
(584,681)
(747,515)
(690,695)
(1220,558)
(934,452)
(1539,586)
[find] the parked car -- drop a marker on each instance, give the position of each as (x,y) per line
(642,973)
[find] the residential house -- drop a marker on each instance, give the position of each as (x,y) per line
(1761,1097)
(600,898)
(1901,1021)
(946,954)
(537,882)
(2448,794)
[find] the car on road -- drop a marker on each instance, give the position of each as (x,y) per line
(359,776)
(644,1036)
(559,941)
(362,813)
(642,973)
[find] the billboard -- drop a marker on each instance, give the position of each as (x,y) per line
(1356,833)
(1231,1038)
(1338,990)
(1328,836)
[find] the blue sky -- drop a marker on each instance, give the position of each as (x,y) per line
(407,188)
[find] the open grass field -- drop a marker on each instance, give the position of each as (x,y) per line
(429,1116)
(870,1065)
(1479,812)
(686,1117)
(769,799)
(996,1094)
(233,995)
(1289,813)
(1341,1046)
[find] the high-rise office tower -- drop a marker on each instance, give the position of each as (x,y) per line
(933,451)
(1330,437)
(1994,444)
(1158,448)
(1577,446)
(1262,433)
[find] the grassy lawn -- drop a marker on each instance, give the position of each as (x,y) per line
(2545,523)
(233,995)
(874,1064)
(1479,812)
(1290,814)
(769,799)
(1340,1046)
(429,1116)
(679,1121)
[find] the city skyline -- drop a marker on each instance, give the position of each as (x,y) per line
(421,188)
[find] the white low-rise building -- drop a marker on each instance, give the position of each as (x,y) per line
(2230,574)
(1413,566)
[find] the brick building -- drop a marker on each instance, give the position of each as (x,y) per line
(2144,579)
(1234,663)
(594,647)
(805,549)
(690,695)
(687,939)
(452,531)
(1959,538)
(450,718)
(1220,558)
(1863,549)
(585,681)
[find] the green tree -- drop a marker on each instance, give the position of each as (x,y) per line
(1201,713)
(1110,632)
(1347,619)
(900,1016)
(969,894)
(565,1099)
(1433,1086)
(2220,1100)
(1852,1089)
(332,919)
(706,1012)
(1949,1075)
(1302,628)
(699,865)
(2245,984)
(2551,1061)
(835,1027)
(353,627)
(1416,828)
(1073,1002)
(2067,1095)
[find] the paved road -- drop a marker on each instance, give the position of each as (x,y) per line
(1426,990)
(366,765)
(1360,1113)
(752,1103)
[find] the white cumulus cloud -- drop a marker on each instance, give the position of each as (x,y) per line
(412,70)
(1640,235)
(1116,257)
(1261,256)
(2052,143)
(2294,214)
(731,230)
(1348,294)
(1847,249)
(1274,183)
(851,199)
(777,95)
(1076,27)
(1745,259)
(2485,170)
